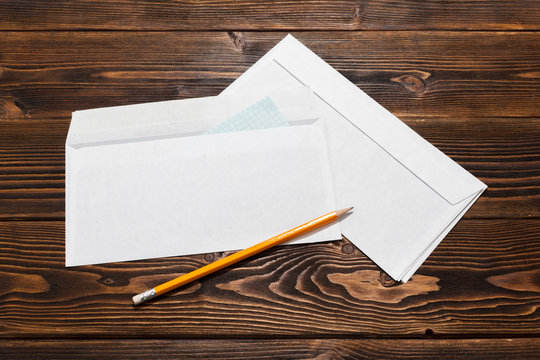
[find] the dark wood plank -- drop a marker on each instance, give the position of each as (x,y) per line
(503,153)
(453,75)
(494,349)
(265,15)
(32,168)
(484,279)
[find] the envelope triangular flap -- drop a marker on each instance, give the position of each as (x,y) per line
(435,169)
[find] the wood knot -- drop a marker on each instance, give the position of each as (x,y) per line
(357,15)
(347,248)
(107,281)
(11,109)
(386,280)
(414,82)
(209,257)
(238,40)
(179,90)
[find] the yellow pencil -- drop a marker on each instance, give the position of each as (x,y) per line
(238,256)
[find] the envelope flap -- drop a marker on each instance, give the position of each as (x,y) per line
(430,165)
(145,120)
(178,117)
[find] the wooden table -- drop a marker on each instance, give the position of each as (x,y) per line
(463,74)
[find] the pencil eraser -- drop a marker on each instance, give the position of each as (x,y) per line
(142,297)
(137,299)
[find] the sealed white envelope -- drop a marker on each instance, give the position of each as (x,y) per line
(407,194)
(141,182)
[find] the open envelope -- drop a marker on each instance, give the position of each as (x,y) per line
(407,194)
(142,182)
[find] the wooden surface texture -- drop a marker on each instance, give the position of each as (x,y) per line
(270,15)
(464,74)
(458,349)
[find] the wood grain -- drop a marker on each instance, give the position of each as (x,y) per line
(455,75)
(269,15)
(483,279)
(494,349)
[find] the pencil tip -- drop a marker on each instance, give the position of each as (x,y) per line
(343,211)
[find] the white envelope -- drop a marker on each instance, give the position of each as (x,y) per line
(141,183)
(407,194)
